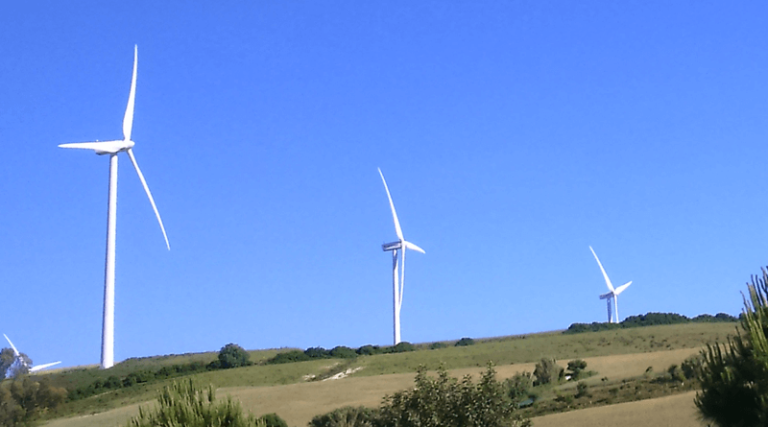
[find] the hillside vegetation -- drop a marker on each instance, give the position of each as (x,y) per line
(501,351)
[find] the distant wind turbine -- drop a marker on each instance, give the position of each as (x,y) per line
(113,148)
(399,246)
(24,362)
(612,293)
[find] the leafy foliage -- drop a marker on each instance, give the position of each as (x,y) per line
(184,404)
(26,400)
(342,352)
(547,371)
(233,356)
(348,416)
(734,376)
(446,401)
(519,386)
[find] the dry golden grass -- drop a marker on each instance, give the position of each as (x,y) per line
(677,411)
(298,403)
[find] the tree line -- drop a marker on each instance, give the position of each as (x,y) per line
(650,319)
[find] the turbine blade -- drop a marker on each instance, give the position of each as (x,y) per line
(84,145)
(16,352)
(621,288)
(398,230)
(607,280)
(410,245)
(128,119)
(149,194)
(41,367)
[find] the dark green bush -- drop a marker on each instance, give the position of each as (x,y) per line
(401,347)
(273,420)
(317,353)
(342,352)
(289,357)
(464,342)
(437,345)
(369,350)
(575,367)
(233,356)
(582,389)
(347,416)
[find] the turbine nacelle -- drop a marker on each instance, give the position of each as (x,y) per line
(388,247)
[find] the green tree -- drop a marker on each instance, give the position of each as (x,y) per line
(734,376)
(447,402)
(233,356)
(547,371)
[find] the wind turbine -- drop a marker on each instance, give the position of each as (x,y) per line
(113,148)
(612,293)
(24,362)
(399,246)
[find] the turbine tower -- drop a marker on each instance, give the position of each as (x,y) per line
(399,246)
(24,362)
(113,148)
(612,293)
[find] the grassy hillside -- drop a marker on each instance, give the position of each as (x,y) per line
(509,354)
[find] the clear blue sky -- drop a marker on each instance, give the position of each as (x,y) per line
(513,135)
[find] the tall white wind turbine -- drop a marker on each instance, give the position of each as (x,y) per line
(399,246)
(113,148)
(24,362)
(612,293)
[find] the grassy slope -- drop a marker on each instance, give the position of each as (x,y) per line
(249,383)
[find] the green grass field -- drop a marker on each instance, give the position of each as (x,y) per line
(284,389)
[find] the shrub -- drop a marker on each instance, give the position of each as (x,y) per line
(343,352)
(446,401)
(273,420)
(347,416)
(369,350)
(437,345)
(547,371)
(575,367)
(464,342)
(233,356)
(317,353)
(519,386)
(184,404)
(401,347)
(581,389)
(734,376)
(289,357)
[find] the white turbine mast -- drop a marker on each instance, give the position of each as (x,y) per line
(24,362)
(612,293)
(399,246)
(113,148)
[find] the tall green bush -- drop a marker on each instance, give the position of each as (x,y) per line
(447,402)
(547,371)
(185,404)
(734,376)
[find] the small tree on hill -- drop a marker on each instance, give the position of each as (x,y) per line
(575,367)
(547,371)
(233,356)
